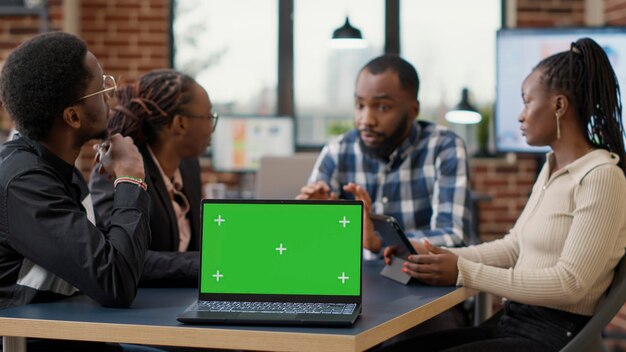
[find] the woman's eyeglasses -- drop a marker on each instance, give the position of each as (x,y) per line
(213,116)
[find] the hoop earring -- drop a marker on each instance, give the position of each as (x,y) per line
(558,126)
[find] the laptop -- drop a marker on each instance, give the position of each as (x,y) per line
(281,177)
(279,262)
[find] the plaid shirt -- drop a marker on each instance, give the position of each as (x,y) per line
(425,184)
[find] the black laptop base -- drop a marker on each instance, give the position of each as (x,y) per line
(193,316)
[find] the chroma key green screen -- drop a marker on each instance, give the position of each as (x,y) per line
(291,248)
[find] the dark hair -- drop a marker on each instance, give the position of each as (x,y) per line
(42,77)
(407,74)
(585,75)
(147,105)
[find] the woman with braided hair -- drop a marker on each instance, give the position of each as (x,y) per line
(556,263)
(169,117)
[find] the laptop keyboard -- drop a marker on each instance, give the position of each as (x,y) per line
(277,307)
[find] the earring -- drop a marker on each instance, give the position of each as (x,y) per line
(558,126)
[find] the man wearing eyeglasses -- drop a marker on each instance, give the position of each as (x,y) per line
(50,247)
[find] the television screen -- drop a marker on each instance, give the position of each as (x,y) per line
(238,143)
(519,50)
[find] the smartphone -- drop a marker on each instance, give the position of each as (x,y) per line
(392,234)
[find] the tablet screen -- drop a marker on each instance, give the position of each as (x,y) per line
(391,234)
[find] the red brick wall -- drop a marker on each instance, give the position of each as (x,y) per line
(15,29)
(615,12)
(550,13)
(129,38)
(508,184)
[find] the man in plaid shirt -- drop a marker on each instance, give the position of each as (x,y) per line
(415,171)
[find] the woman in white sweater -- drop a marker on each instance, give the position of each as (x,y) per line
(556,263)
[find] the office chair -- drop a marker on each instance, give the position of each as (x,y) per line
(590,337)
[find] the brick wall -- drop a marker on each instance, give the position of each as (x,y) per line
(508,183)
(15,28)
(129,38)
(615,12)
(550,13)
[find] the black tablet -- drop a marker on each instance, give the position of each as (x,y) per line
(392,235)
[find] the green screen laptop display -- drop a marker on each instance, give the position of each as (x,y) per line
(290,248)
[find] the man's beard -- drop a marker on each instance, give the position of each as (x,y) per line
(389,144)
(87,136)
(101,136)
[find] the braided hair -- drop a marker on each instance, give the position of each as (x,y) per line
(149,104)
(585,75)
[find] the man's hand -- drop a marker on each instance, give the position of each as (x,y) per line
(321,190)
(316,191)
(438,267)
(120,157)
(370,240)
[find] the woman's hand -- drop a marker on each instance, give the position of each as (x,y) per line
(438,267)
(390,251)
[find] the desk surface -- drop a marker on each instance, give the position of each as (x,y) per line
(388,309)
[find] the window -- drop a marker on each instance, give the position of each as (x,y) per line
(23,3)
(452,44)
(324,77)
(231,49)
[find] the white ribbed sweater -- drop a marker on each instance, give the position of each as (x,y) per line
(564,246)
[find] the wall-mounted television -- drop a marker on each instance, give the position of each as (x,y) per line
(239,142)
(519,50)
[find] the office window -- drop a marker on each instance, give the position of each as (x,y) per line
(452,44)
(16,3)
(324,77)
(231,48)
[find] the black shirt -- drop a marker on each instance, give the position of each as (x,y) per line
(48,247)
(164,264)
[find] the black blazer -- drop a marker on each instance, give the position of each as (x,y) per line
(164,265)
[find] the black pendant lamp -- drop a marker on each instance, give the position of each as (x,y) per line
(348,37)
(464,112)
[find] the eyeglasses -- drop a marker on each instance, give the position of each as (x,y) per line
(109,86)
(213,117)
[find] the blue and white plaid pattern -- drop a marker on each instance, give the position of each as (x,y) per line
(425,184)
